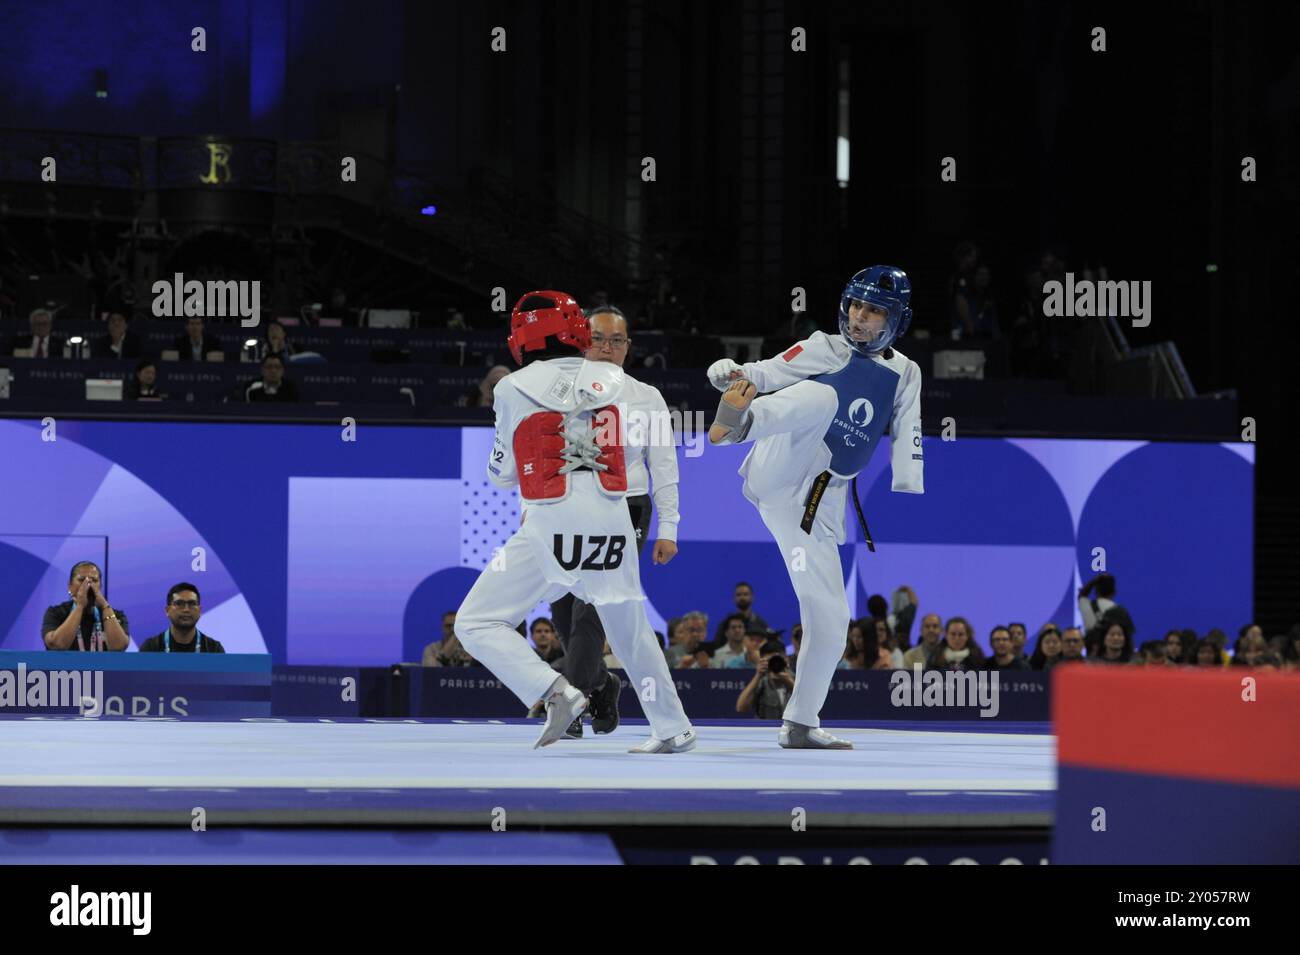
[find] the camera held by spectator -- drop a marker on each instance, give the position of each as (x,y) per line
(770,688)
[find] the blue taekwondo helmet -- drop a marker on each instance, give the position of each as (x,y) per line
(888,288)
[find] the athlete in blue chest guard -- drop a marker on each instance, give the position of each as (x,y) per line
(825,404)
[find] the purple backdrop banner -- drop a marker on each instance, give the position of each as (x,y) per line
(328,552)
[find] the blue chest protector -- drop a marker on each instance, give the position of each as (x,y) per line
(866,391)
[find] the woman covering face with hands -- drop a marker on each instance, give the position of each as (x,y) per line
(87,621)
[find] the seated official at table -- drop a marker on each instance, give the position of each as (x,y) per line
(274,386)
(183,636)
(86,622)
(195,344)
(143,384)
(118,343)
(40,341)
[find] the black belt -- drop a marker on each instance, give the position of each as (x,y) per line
(814,501)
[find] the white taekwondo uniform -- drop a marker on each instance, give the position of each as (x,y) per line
(823,408)
(577,536)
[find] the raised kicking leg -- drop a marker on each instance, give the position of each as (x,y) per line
(804,410)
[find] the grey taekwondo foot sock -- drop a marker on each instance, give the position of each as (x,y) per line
(735,419)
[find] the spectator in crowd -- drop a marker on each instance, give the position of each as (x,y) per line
(1220,641)
(1174,646)
(273,386)
(983,310)
(1004,655)
(1047,648)
(673,625)
(961,290)
(1152,653)
(448,651)
(613,663)
(888,646)
(1092,607)
(744,599)
(143,381)
(861,648)
(195,344)
(852,657)
(733,631)
(900,621)
(432,649)
(770,687)
(1252,649)
(546,641)
(87,621)
(688,651)
(958,651)
(1026,331)
(1071,645)
(755,637)
(118,343)
(1116,646)
(1205,654)
(487,387)
(931,634)
(905,601)
(1277,646)
(796,643)
(1101,611)
(1039,342)
(276,342)
(1291,648)
(1246,630)
(339,307)
(42,342)
(1019,637)
(182,634)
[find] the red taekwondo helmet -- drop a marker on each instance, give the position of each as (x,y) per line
(552,314)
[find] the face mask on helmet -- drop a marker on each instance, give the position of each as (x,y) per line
(868,323)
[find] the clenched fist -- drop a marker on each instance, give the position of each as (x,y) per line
(665,550)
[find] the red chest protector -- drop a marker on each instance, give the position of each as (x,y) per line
(539,445)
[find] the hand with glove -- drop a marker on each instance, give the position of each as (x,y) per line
(723,372)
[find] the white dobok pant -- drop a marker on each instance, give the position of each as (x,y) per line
(526,571)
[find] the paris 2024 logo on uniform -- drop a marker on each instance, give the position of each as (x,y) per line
(860,414)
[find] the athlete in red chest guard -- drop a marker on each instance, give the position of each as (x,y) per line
(558,439)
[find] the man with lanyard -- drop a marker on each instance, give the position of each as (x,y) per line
(826,403)
(183,636)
